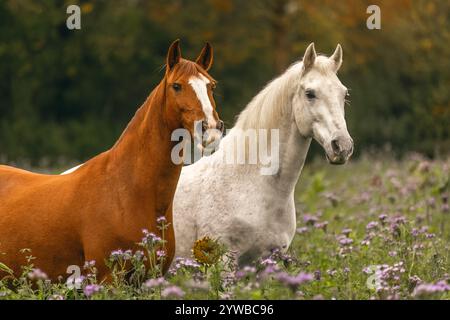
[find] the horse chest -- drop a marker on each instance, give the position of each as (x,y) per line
(256,222)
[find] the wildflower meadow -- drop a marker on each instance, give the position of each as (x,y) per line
(376,228)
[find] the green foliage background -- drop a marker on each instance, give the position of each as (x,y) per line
(67,95)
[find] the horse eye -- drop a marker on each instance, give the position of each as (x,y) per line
(176,87)
(310,94)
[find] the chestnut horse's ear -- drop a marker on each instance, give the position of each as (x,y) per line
(206,57)
(173,55)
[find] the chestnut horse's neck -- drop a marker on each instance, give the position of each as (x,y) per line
(139,162)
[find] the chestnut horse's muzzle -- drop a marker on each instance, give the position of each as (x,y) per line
(219,125)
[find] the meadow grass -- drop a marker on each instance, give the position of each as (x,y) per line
(376,228)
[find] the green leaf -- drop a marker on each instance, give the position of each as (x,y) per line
(5,268)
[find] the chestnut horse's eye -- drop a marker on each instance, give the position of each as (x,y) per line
(176,87)
(310,94)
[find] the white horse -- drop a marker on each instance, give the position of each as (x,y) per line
(233,202)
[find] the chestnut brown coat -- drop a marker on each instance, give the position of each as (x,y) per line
(106,203)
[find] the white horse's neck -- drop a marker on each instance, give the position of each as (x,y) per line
(293,151)
(272,109)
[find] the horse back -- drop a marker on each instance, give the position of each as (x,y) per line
(11,177)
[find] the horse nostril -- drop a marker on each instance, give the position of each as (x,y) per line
(220,125)
(204,126)
(335,146)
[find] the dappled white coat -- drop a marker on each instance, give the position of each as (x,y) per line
(249,212)
(253,213)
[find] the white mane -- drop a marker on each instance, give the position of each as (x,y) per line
(265,109)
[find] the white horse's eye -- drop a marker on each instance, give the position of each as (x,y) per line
(310,94)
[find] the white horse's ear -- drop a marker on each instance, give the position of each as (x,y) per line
(309,57)
(337,58)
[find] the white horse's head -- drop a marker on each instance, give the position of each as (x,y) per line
(319,102)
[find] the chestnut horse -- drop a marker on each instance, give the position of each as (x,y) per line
(106,203)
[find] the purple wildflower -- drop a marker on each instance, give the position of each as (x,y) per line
(331,272)
(172,292)
(245,272)
(392,253)
(92,289)
(415,280)
(150,239)
(309,219)
(344,241)
(302,230)
(294,281)
(199,285)
(346,231)
(270,269)
(154,283)
(89,264)
(372,225)
(161,253)
(268,262)
(321,225)
(383,218)
(37,274)
(139,255)
(415,232)
(183,263)
(161,220)
(118,255)
(426,289)
(368,270)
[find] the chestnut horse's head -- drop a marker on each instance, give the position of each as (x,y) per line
(189,91)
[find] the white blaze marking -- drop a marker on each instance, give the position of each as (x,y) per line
(71,170)
(199,86)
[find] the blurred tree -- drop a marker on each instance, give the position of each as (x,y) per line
(67,95)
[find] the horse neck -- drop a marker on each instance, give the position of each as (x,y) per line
(140,160)
(293,151)
(293,147)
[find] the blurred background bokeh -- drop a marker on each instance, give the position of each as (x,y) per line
(66,95)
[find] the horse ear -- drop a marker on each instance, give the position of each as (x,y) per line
(173,55)
(309,57)
(206,57)
(337,58)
